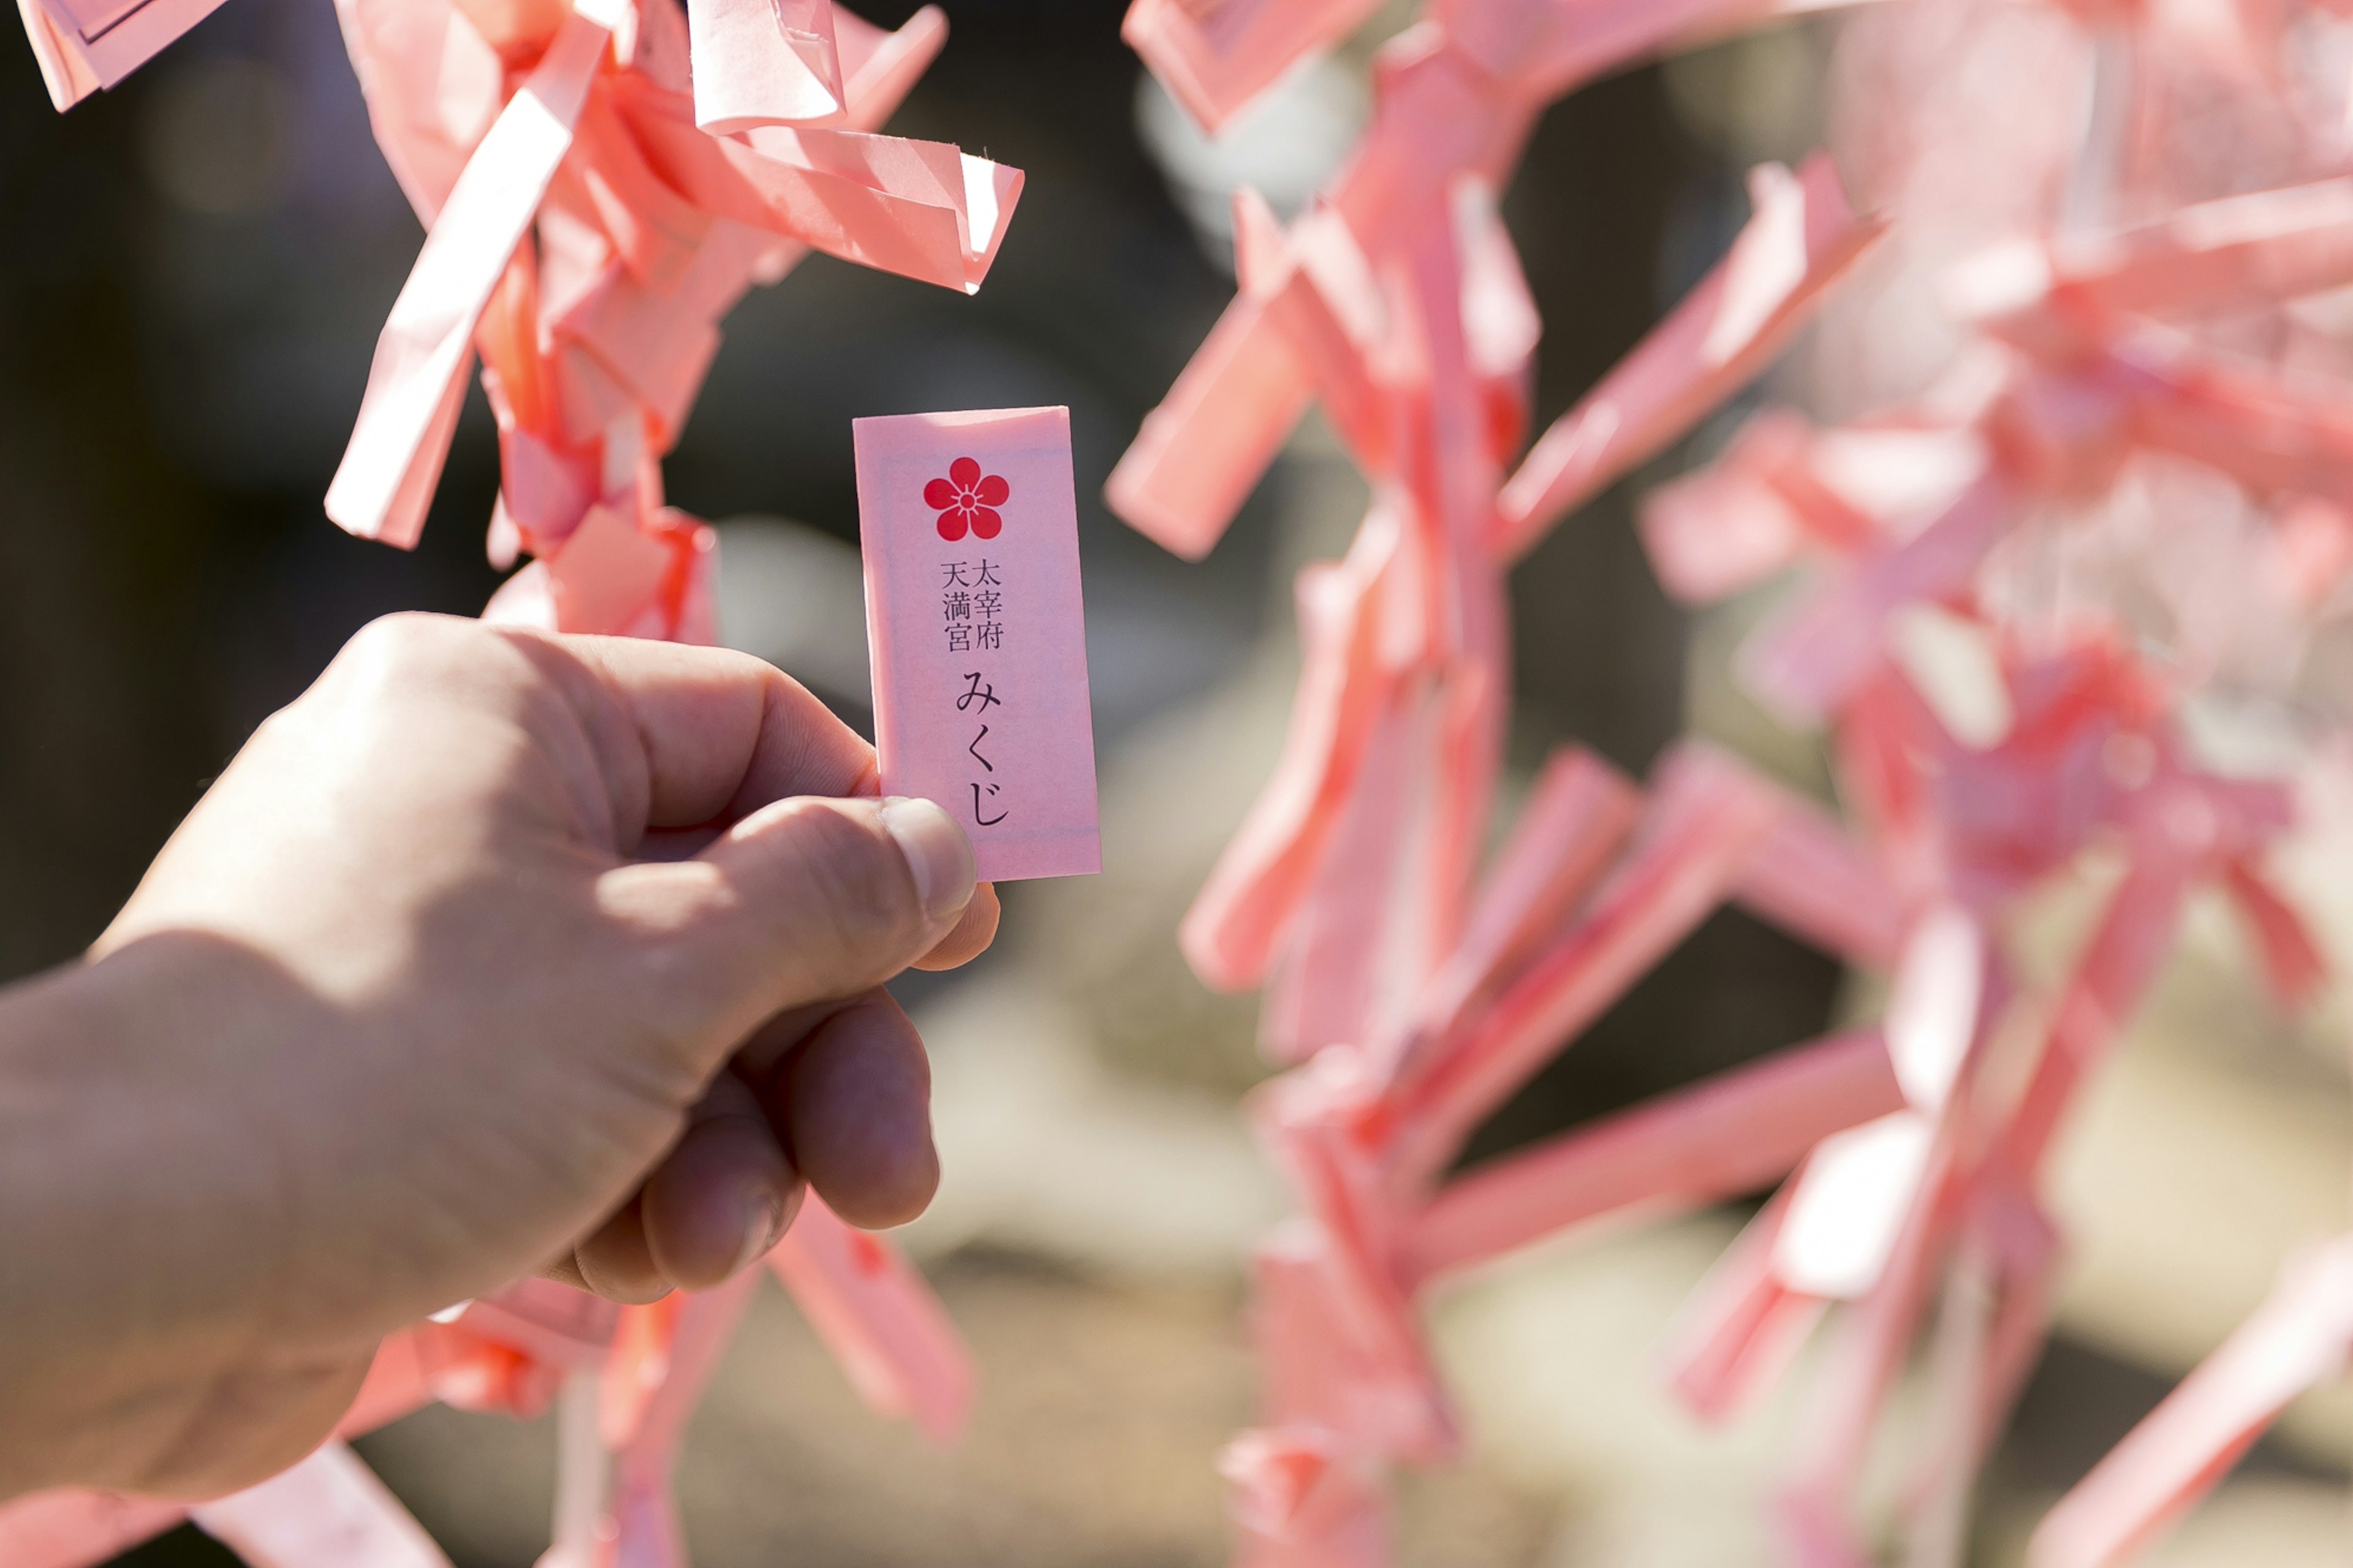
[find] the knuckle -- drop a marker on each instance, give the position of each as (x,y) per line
(401,652)
(406,637)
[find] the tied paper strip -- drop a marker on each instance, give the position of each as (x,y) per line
(85,44)
(762,63)
(389,471)
(979,636)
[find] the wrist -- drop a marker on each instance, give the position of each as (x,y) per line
(141,1213)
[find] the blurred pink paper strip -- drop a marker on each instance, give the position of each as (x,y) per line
(1802,238)
(328,1508)
(883,1325)
(2295,1342)
(973,613)
(1719,1139)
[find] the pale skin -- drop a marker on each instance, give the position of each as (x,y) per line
(494,953)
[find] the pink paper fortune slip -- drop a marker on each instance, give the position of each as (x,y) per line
(979,636)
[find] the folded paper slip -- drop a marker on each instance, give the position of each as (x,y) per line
(873,1311)
(84,45)
(979,636)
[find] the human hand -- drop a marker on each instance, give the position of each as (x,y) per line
(493,953)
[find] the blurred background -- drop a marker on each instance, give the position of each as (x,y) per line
(191,277)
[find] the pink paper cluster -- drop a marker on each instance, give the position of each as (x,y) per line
(600,182)
(2135,389)
(1987,737)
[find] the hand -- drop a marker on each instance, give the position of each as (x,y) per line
(494,953)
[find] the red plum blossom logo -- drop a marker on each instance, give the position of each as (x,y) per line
(966,500)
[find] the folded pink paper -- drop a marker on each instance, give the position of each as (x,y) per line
(872,1307)
(761,63)
(973,613)
(84,45)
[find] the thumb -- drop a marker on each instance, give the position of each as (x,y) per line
(807,899)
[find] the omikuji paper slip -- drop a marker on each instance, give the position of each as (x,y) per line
(972,614)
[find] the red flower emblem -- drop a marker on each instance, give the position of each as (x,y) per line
(966,500)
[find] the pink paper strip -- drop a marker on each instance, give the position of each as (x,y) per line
(1322,1367)
(1311,1122)
(759,62)
(387,475)
(645,1525)
(1303,1500)
(1808,661)
(1809,877)
(1552,48)
(65,69)
(605,572)
(978,631)
(2256,249)
(1868,1353)
(433,86)
(1802,238)
(1719,530)
(1707,816)
(1201,451)
(1340,977)
(1241,912)
(2295,1340)
(1579,812)
(328,1508)
(881,67)
(1728,1136)
(1742,1326)
(920,209)
(654,230)
(1325,298)
(1215,59)
(84,45)
(879,1320)
(2293,964)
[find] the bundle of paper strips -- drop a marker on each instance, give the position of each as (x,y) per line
(1989,738)
(600,184)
